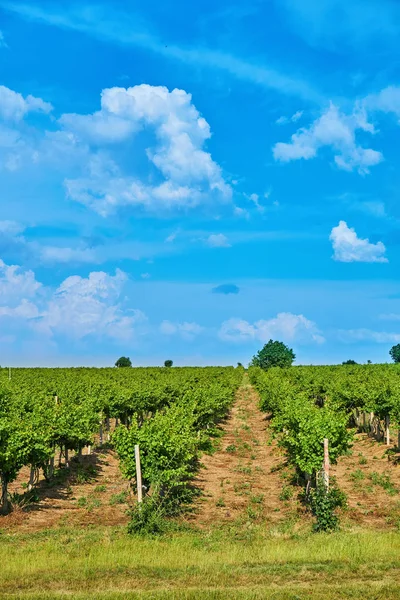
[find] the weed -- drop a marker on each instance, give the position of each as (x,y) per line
(357,475)
(286,493)
(120,498)
(257,498)
(384,481)
(231,448)
(220,502)
(100,488)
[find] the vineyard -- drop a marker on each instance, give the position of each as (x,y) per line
(170,412)
(224,452)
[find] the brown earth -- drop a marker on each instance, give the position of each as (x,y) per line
(244,478)
(90,493)
(370,478)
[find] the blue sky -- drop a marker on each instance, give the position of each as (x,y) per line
(188,181)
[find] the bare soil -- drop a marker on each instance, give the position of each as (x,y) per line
(245,477)
(370,478)
(88,493)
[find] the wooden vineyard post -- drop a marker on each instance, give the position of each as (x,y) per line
(387,424)
(326,464)
(138,475)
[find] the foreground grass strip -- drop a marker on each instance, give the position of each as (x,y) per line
(109,564)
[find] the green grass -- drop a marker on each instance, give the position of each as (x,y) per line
(246,563)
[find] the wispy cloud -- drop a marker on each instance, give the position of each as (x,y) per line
(3,43)
(340,23)
(121,28)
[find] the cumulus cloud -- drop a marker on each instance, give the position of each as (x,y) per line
(348,247)
(14,107)
(187,173)
(335,130)
(88,306)
(79,307)
(285,326)
(226,288)
(185,330)
(218,240)
(16,283)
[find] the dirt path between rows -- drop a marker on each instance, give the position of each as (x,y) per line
(243,479)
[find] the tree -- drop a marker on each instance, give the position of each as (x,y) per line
(168,363)
(349,362)
(395,353)
(124,361)
(273,354)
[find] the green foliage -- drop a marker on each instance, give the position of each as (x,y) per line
(123,361)
(324,504)
(168,363)
(384,481)
(349,362)
(395,353)
(120,498)
(273,354)
(148,518)
(45,410)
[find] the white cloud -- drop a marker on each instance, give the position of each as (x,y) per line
(16,284)
(285,326)
(218,240)
(126,28)
(11,227)
(241,212)
(338,131)
(25,310)
(293,119)
(367,335)
(13,106)
(297,115)
(348,247)
(145,275)
(59,254)
(187,331)
(79,307)
(189,176)
(172,237)
(3,43)
(254,198)
(87,306)
(390,317)
(338,24)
